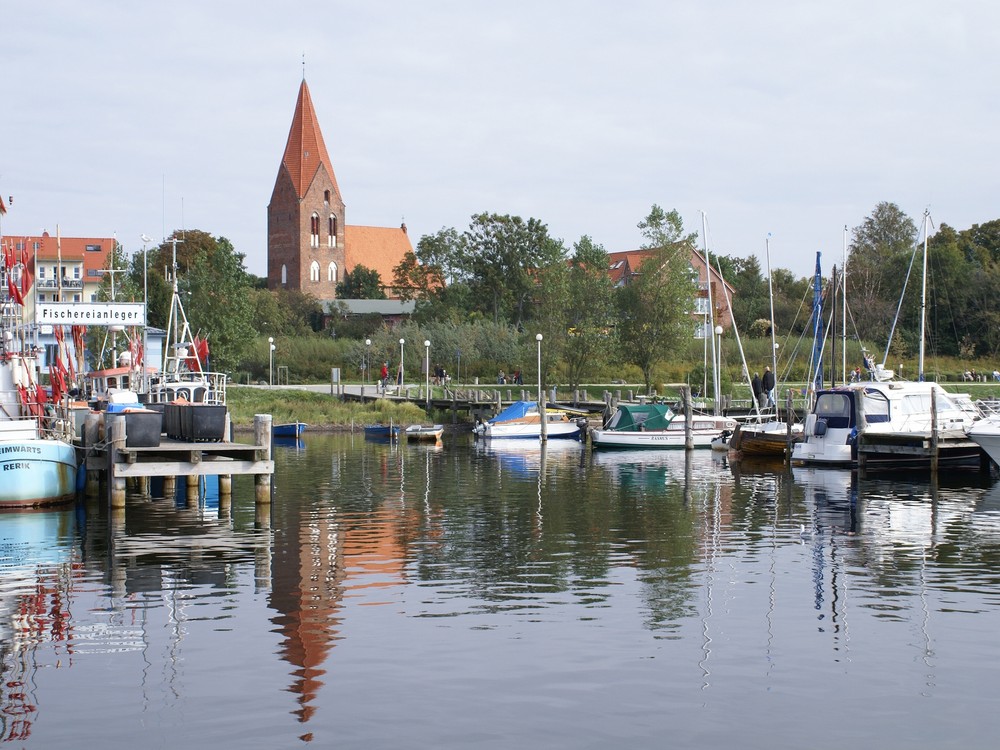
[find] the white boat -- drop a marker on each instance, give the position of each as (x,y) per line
(37,458)
(655,426)
(986,434)
(521,420)
(891,408)
(430,433)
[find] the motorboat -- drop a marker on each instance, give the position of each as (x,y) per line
(431,433)
(522,420)
(289,429)
(656,426)
(986,434)
(843,416)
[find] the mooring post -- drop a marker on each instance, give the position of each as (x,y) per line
(934,434)
(116,441)
(688,437)
(788,426)
(193,483)
(91,437)
(262,439)
(170,487)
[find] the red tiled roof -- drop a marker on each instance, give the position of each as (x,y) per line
(378,248)
(305,150)
(69,248)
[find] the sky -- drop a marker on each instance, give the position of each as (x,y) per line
(773,124)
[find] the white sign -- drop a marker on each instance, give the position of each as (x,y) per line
(91,313)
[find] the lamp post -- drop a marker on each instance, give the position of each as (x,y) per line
(401,369)
(270,361)
(538,338)
(718,367)
(427,371)
(368,358)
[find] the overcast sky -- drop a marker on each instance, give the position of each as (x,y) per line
(789,118)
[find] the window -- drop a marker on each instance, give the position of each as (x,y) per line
(93,297)
(35,246)
(314,271)
(76,272)
(284,275)
(93,248)
(314,230)
(331,240)
(331,272)
(326,197)
(41,297)
(76,297)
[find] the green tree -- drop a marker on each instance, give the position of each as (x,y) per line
(361,283)
(880,251)
(588,315)
(655,307)
(503,258)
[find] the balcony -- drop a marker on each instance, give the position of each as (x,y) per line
(54,283)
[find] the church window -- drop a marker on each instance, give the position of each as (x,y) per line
(326,197)
(314,230)
(331,239)
(331,272)
(314,271)
(284,275)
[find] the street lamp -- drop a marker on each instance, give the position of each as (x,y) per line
(427,371)
(270,361)
(368,358)
(538,338)
(401,369)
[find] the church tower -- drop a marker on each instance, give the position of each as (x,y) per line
(305,218)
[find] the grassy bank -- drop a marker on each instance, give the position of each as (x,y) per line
(320,411)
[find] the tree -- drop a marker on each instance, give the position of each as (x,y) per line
(654,308)
(361,283)
(588,314)
(502,257)
(879,256)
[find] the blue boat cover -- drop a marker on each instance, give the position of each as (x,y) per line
(517,410)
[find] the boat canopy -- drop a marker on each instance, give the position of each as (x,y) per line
(517,410)
(632,417)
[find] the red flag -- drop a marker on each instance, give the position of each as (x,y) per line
(27,279)
(3,207)
(15,293)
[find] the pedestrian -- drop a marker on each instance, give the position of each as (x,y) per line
(767,383)
(758,390)
(383,375)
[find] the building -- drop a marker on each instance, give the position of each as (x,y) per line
(625,265)
(309,243)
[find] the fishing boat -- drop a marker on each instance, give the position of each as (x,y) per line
(37,458)
(430,433)
(765,438)
(656,426)
(289,429)
(522,420)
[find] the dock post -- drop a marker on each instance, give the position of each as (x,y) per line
(934,434)
(193,486)
(788,426)
(116,484)
(169,487)
(688,419)
(225,494)
(262,439)
(91,437)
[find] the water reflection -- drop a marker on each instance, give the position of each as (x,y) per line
(417,571)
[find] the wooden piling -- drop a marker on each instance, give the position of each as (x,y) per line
(170,487)
(91,436)
(688,418)
(116,484)
(262,439)
(934,434)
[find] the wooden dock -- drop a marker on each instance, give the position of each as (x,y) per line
(113,463)
(924,450)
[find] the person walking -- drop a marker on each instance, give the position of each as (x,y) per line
(767,383)
(758,390)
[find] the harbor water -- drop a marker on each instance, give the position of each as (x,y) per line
(496,596)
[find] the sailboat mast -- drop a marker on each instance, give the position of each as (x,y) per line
(843,323)
(770,295)
(923,301)
(817,358)
(711,313)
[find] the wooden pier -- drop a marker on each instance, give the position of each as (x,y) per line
(112,462)
(925,450)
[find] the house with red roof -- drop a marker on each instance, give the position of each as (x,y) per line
(310,246)
(624,266)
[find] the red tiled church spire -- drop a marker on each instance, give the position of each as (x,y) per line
(305,150)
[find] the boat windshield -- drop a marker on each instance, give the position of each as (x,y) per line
(876,406)
(835,408)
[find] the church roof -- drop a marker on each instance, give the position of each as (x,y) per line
(305,150)
(378,248)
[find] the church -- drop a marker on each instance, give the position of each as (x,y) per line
(310,246)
